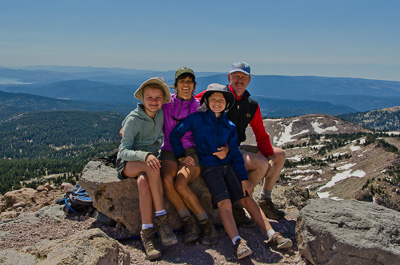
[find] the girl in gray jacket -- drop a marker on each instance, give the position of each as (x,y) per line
(137,158)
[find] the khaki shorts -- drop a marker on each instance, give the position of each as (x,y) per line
(169,155)
(248,148)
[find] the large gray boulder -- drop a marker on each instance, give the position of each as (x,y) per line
(348,232)
(119,198)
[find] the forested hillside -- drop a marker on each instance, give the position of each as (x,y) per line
(41,143)
(12,104)
(387,119)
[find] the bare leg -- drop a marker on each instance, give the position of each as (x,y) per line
(279,162)
(133,168)
(225,212)
(256,163)
(256,213)
(256,166)
(145,199)
(185,176)
(169,170)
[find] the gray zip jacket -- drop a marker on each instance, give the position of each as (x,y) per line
(141,135)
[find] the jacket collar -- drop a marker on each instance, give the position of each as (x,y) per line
(211,115)
(245,95)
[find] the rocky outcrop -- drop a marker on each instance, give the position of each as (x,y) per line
(119,198)
(287,196)
(92,246)
(27,199)
(348,232)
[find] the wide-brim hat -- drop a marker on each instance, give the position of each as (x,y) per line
(154,81)
(184,70)
(214,87)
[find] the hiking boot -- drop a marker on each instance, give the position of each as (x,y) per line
(167,236)
(210,236)
(240,216)
(148,239)
(241,249)
(270,210)
(190,229)
(277,241)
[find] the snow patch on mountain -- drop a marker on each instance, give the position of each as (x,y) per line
(316,126)
(286,135)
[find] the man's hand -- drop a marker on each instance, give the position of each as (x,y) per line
(187,160)
(222,152)
(153,162)
(271,168)
(247,187)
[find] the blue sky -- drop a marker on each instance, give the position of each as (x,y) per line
(340,38)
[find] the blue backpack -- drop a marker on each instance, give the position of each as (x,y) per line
(77,201)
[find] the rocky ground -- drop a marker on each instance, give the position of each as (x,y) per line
(29,229)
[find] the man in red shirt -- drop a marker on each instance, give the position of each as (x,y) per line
(263,160)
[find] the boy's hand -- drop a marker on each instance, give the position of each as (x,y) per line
(153,162)
(187,160)
(247,187)
(222,152)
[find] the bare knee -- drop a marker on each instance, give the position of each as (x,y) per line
(225,205)
(246,202)
(280,155)
(168,182)
(143,183)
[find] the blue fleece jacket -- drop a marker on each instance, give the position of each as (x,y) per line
(210,133)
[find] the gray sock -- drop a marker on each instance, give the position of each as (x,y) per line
(265,194)
(202,216)
(184,213)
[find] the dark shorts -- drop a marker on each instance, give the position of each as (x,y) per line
(222,183)
(169,155)
(248,148)
(120,166)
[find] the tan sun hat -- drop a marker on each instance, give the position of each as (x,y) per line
(156,81)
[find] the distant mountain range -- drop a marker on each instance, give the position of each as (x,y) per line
(279,96)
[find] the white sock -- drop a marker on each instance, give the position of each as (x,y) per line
(236,238)
(161,212)
(270,233)
(146,226)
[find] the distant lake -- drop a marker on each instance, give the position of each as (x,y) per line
(12,81)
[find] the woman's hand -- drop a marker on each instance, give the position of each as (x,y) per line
(187,160)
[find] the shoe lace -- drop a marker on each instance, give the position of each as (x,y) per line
(207,228)
(149,241)
(188,224)
(277,238)
(163,227)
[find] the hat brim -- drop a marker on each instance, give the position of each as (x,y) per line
(156,81)
(229,98)
(238,70)
(184,70)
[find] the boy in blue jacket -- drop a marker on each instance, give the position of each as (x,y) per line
(225,178)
